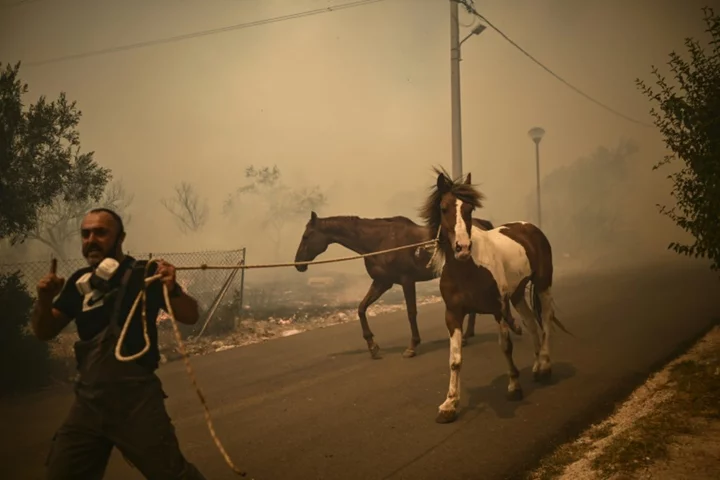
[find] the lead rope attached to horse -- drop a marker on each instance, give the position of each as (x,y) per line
(142,296)
(435,245)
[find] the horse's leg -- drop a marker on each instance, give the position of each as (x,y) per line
(548,312)
(448,410)
(376,290)
(530,321)
(508,317)
(470,329)
(506,346)
(411,305)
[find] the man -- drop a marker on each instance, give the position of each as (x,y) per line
(117,404)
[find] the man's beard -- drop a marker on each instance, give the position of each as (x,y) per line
(94,255)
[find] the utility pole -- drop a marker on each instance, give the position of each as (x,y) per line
(457,169)
(537,182)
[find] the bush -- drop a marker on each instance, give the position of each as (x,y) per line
(25,362)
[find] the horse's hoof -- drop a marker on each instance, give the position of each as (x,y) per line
(515,395)
(409,353)
(375,351)
(543,376)
(446,416)
(464,341)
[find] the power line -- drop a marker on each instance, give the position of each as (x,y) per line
(468,4)
(18,3)
(202,33)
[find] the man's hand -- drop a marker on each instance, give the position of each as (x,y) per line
(50,285)
(167,274)
(47,322)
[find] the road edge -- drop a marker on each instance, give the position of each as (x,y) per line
(569,455)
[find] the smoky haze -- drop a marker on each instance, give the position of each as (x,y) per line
(356,102)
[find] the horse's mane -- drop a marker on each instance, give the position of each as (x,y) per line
(430,211)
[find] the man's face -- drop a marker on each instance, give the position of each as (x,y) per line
(99,233)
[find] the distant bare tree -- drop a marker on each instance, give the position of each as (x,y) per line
(59,222)
(189,211)
(282,204)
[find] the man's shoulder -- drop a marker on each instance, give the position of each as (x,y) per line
(79,273)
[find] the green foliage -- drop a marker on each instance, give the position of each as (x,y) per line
(40,158)
(24,361)
(45,182)
(583,203)
(689,121)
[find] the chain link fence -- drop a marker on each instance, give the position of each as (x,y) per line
(219,294)
(208,287)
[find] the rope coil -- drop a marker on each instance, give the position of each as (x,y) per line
(142,296)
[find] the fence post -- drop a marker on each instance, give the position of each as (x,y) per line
(242,282)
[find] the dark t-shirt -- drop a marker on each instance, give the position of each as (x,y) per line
(91,321)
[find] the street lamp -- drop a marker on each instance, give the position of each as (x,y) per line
(537,134)
(475,31)
(455,85)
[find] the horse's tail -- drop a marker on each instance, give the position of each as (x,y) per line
(536,305)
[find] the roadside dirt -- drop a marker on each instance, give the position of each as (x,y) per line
(668,429)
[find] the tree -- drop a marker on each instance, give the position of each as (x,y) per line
(583,202)
(689,122)
(16,346)
(40,157)
(189,211)
(40,162)
(59,223)
(281,202)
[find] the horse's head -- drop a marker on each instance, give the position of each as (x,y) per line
(314,242)
(449,209)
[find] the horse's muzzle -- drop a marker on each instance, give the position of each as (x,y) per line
(462,252)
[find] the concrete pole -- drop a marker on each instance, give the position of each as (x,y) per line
(537,180)
(457,169)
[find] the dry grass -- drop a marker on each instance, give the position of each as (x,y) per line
(668,426)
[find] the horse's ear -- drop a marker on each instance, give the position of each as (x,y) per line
(442,183)
(313,217)
(468,181)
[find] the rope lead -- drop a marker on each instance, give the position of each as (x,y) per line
(141,297)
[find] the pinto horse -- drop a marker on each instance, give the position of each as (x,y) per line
(482,272)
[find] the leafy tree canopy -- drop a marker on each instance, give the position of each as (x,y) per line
(40,157)
(688,116)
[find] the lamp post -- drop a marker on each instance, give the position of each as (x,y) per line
(537,134)
(455,43)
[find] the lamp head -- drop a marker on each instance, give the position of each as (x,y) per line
(536,134)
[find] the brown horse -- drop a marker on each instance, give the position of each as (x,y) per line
(402,267)
(482,272)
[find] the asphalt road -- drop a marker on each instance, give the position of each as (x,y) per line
(315,406)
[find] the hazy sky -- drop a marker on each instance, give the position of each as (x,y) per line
(356,100)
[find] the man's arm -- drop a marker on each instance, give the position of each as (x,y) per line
(184,306)
(47,322)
